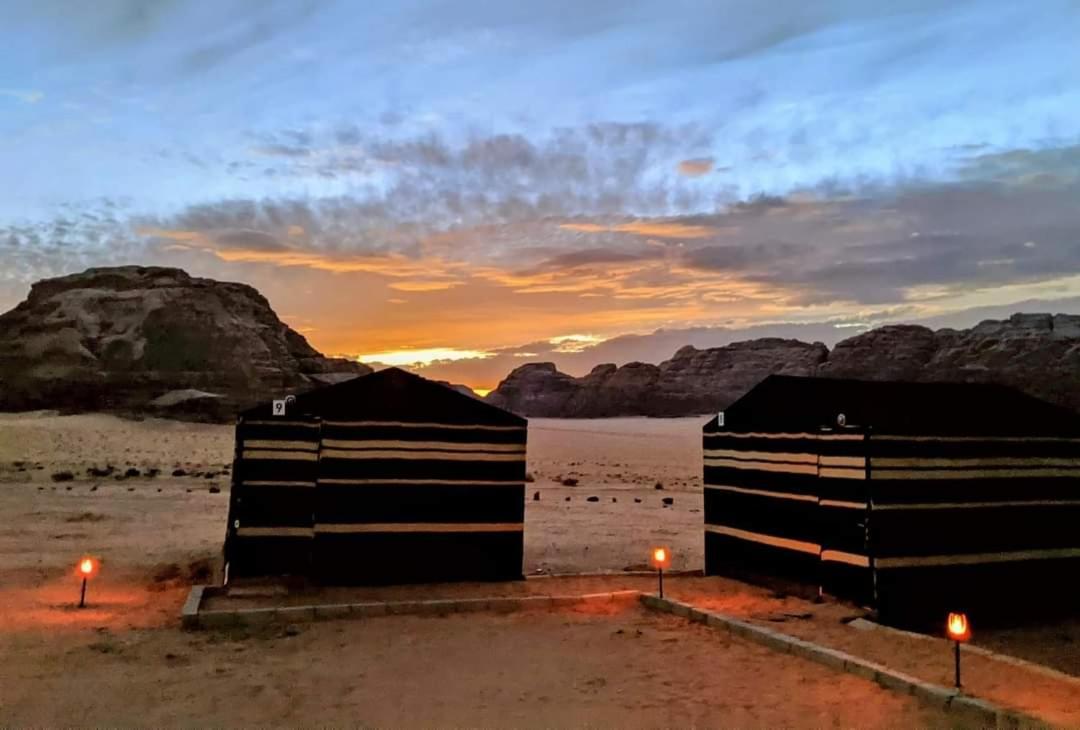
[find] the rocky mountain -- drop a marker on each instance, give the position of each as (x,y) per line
(693,381)
(152,339)
(1037,353)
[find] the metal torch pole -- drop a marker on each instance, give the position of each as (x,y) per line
(957,665)
(82,594)
(660,571)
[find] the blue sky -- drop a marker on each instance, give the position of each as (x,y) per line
(592,168)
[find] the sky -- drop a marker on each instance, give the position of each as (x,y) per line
(471,185)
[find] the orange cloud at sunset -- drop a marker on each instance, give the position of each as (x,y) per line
(654,228)
(696,168)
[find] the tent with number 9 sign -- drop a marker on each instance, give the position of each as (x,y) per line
(385,478)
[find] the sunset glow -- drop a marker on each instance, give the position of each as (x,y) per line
(421,357)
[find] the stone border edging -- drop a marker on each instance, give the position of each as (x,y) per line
(987,714)
(193,617)
(980,651)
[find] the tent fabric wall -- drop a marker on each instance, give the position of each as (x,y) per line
(387,478)
(273,494)
(425,500)
(919,506)
(986,521)
(789,504)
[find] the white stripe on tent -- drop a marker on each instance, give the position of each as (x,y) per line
(842,473)
(888,474)
(275,532)
(762,466)
(976,558)
(418,455)
(428,445)
(405,424)
(270,444)
(1033,461)
(346,529)
(268,483)
(858,462)
(449,482)
(781,542)
(778,456)
(843,504)
(268,455)
(764,493)
(979,505)
(837,556)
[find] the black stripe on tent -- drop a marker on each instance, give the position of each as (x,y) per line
(276,470)
(843,490)
(265,556)
(412,433)
(725,555)
(779,481)
(956,531)
(842,529)
(383,558)
(330,468)
(848,581)
(922,596)
(782,518)
(419,503)
(274,506)
(976,448)
(285,431)
(918,491)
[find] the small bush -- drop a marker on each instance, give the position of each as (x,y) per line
(62,476)
(569,482)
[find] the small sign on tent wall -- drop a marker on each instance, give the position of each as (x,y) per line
(720,419)
(279,407)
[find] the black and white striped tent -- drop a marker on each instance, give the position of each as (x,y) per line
(911,497)
(385,478)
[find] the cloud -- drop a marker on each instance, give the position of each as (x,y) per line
(281,150)
(28,97)
(650,228)
(696,167)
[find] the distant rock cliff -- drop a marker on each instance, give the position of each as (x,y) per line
(1037,353)
(693,381)
(152,339)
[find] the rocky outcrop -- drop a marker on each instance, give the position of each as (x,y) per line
(155,340)
(1037,353)
(693,381)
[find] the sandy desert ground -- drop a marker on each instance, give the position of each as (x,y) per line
(125,661)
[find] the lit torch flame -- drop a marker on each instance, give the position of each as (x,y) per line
(958,627)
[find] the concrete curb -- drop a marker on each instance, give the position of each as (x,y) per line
(977,650)
(193,616)
(984,713)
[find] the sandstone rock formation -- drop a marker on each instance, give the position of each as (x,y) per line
(1037,353)
(693,381)
(152,339)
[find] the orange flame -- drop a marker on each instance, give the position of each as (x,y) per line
(958,627)
(660,557)
(86,567)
